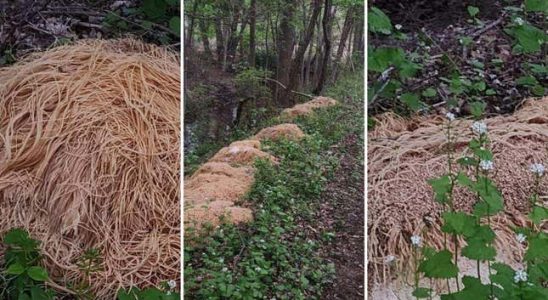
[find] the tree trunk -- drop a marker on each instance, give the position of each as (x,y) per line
(219,40)
(358,46)
(252,21)
(348,24)
(205,40)
(296,66)
(188,42)
(326,24)
(286,40)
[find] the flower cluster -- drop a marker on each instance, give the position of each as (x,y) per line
(416,240)
(486,165)
(450,116)
(520,276)
(538,169)
(479,128)
(520,237)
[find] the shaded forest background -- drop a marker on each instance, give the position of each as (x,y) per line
(246,59)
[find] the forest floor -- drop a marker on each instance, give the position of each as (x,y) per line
(307,237)
(445,40)
(342,212)
(35,25)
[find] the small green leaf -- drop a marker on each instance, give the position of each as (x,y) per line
(490,92)
(421,292)
(412,101)
(538,214)
(439,266)
(429,92)
(527,81)
(477,108)
(538,90)
(478,250)
(15,269)
(459,223)
(441,187)
(536,5)
(37,273)
(473,11)
(473,289)
(537,248)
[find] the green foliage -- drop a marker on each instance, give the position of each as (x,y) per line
(250,84)
(159,20)
(273,257)
(378,21)
(148,294)
(439,265)
(473,11)
(506,283)
(25,278)
(536,6)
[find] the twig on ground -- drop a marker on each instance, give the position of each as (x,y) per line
(285,88)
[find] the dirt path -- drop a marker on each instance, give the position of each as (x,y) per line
(342,213)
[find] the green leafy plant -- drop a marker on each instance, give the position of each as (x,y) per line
(165,292)
(25,278)
(475,229)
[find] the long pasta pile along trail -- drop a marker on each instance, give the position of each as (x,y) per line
(404,154)
(89,158)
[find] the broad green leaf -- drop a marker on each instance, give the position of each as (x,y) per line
(491,196)
(37,273)
(478,250)
(441,187)
(536,5)
(15,269)
(459,223)
(464,180)
(472,11)
(421,292)
(538,214)
(379,59)
(439,266)
(412,101)
(537,249)
(378,21)
(473,289)
(38,293)
(529,38)
(408,69)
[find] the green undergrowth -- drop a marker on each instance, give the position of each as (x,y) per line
(277,255)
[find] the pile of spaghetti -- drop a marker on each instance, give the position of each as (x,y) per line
(404,154)
(89,158)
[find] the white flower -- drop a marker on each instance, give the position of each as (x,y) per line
(258,269)
(538,169)
(398,26)
(450,116)
(519,21)
(479,128)
(172,284)
(224,269)
(520,237)
(486,165)
(389,259)
(416,240)
(520,276)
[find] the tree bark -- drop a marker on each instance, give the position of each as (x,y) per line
(205,40)
(252,21)
(296,66)
(219,40)
(286,40)
(348,24)
(326,24)
(188,42)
